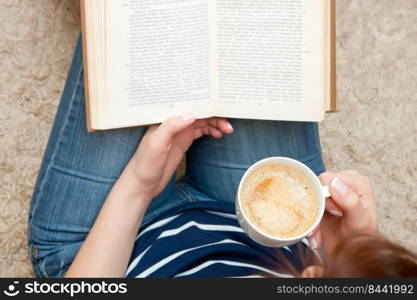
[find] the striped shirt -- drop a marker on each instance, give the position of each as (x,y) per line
(204,239)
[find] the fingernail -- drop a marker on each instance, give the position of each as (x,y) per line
(335,213)
(230,126)
(187,117)
(339,186)
(313,243)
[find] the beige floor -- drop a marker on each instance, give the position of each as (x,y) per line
(374,132)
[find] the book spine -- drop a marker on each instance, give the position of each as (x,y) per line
(333,60)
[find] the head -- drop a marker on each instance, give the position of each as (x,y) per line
(365,256)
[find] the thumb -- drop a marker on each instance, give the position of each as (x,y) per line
(344,197)
(172,126)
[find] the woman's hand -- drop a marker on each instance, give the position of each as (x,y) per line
(350,209)
(145,176)
(163,146)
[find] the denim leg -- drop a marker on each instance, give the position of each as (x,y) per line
(77,173)
(215,166)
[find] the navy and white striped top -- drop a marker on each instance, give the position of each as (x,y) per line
(204,239)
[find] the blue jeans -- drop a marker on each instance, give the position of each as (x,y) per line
(79,169)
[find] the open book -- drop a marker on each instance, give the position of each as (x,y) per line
(148,60)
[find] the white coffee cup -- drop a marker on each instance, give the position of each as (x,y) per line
(266,239)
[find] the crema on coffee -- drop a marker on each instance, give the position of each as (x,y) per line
(280,201)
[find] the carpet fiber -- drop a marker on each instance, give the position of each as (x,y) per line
(374,130)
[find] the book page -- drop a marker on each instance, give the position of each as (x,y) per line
(158,61)
(272,59)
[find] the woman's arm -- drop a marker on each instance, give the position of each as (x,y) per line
(108,247)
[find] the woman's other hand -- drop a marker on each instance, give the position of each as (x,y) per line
(163,147)
(350,209)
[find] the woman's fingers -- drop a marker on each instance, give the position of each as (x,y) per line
(332,208)
(315,239)
(201,131)
(161,135)
(216,133)
(355,215)
(207,130)
(359,183)
(215,127)
(352,196)
(222,124)
(198,133)
(171,127)
(344,196)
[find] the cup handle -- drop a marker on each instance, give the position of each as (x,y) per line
(326,191)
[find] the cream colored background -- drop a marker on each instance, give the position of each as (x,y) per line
(374,132)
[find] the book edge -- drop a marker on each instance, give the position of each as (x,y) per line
(85,65)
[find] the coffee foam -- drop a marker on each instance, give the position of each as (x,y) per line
(279,201)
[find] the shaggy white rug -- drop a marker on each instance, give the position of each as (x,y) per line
(374,130)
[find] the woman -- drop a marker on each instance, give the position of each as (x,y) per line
(96,192)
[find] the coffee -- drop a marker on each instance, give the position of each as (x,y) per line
(280,201)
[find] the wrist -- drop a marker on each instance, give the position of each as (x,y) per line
(128,182)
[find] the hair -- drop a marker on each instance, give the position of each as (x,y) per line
(357,255)
(367,256)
